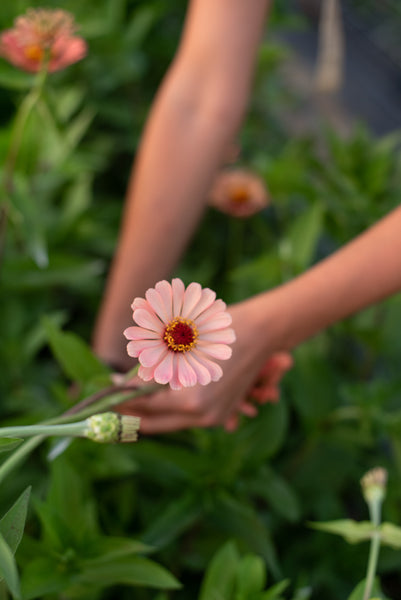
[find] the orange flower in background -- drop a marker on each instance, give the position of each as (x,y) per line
(239,193)
(42,35)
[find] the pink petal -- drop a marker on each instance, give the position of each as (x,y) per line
(164,370)
(140,303)
(166,294)
(192,296)
(219,351)
(139,333)
(206,300)
(221,336)
(219,321)
(152,356)
(135,348)
(147,319)
(174,382)
(157,304)
(178,290)
(145,373)
(202,373)
(66,52)
(217,307)
(216,372)
(186,374)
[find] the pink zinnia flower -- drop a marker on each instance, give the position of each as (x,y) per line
(239,193)
(179,332)
(42,35)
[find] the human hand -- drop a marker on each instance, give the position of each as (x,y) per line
(248,380)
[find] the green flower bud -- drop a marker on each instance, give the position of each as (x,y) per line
(374,485)
(112,427)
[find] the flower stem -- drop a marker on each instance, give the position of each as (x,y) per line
(67,429)
(372,565)
(18,455)
(96,403)
(375,516)
(21,119)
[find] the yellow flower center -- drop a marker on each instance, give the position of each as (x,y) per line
(34,52)
(180,335)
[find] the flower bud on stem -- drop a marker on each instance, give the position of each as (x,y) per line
(106,428)
(374,491)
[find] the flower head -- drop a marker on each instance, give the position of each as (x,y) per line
(374,484)
(42,35)
(111,427)
(239,193)
(179,331)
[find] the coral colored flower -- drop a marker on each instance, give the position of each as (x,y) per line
(42,35)
(178,334)
(239,193)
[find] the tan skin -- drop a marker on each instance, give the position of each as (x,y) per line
(192,123)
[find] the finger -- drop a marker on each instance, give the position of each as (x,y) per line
(167,423)
(231,424)
(247,408)
(265,394)
(278,363)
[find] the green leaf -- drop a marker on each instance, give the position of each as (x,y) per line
(63,270)
(68,515)
(251,576)
(13,522)
(13,78)
(274,592)
(262,437)
(242,521)
(358,592)
(111,548)
(177,516)
(8,568)
(390,535)
(300,243)
(43,576)
(74,355)
(352,531)
(7,444)
(128,571)
(31,222)
(276,491)
(219,580)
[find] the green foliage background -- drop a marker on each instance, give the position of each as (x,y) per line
(97,512)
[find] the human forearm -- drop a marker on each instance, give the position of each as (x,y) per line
(360,274)
(193,119)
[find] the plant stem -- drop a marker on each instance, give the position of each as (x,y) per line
(372,564)
(18,455)
(96,403)
(375,517)
(66,429)
(25,110)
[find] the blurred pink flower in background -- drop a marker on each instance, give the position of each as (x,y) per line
(179,331)
(239,193)
(42,35)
